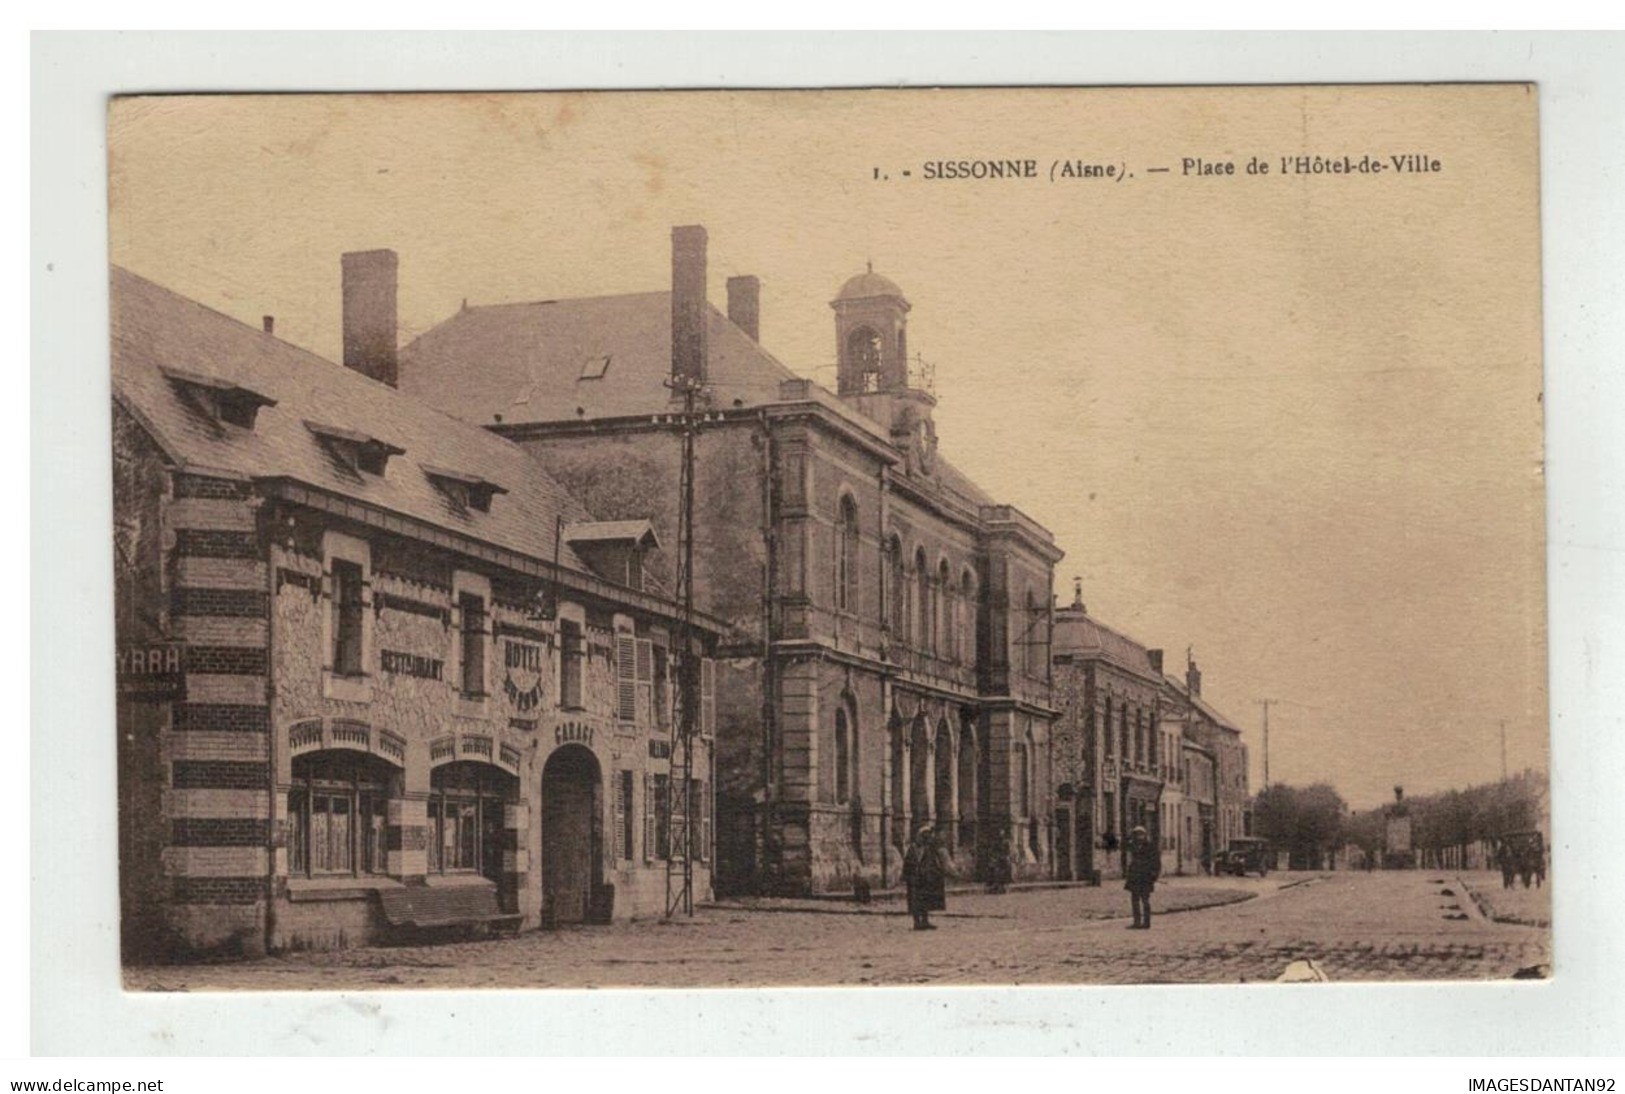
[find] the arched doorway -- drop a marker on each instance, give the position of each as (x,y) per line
(572,837)
(919,763)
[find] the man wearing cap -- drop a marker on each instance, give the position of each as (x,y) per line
(925,872)
(1140,875)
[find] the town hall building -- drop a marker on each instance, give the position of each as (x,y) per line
(884,661)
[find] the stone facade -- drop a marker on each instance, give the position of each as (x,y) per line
(1110,750)
(327,702)
(886,654)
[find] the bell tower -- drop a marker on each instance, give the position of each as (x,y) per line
(873,373)
(871,335)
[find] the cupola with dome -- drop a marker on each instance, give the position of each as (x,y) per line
(871,337)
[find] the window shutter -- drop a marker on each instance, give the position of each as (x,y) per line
(703,792)
(626,689)
(708,697)
(648,817)
(621,850)
(646,681)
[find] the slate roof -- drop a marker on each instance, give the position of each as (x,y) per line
(1084,636)
(155,329)
(526,361)
(1208,710)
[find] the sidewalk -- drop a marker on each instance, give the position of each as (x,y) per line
(1529,907)
(1104,901)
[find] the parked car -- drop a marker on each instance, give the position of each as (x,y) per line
(1245,855)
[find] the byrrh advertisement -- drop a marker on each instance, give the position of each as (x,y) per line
(977,536)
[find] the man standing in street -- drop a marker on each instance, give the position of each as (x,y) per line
(925,872)
(1140,876)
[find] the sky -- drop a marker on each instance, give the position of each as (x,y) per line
(1288,420)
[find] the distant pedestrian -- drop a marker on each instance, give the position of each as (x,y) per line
(925,872)
(1140,875)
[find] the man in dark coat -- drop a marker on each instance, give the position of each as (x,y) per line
(1140,875)
(925,872)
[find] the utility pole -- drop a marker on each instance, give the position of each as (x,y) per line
(680,882)
(1266,704)
(1503,750)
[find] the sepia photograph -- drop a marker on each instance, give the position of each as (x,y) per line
(994,536)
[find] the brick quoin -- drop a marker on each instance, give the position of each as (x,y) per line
(217,832)
(202,543)
(220,718)
(218,890)
(226,661)
(200,486)
(245,603)
(217,775)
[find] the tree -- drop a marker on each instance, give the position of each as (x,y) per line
(1306,821)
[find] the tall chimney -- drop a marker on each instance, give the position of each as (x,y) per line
(689,344)
(745,305)
(1193,678)
(268,322)
(1156,660)
(369,314)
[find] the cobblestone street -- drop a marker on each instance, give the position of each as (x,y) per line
(1355,926)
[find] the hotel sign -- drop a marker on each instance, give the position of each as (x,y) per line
(153,672)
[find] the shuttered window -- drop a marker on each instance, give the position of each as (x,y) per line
(623,815)
(708,697)
(626,689)
(648,818)
(645,681)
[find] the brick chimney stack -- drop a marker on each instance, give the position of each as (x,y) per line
(1155,657)
(745,305)
(268,322)
(689,343)
(1193,678)
(370,328)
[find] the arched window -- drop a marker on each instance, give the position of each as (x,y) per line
(846,556)
(922,601)
(465,813)
(919,761)
(898,590)
(1109,738)
(966,623)
(337,813)
(945,758)
(843,757)
(942,639)
(863,355)
(967,785)
(1029,634)
(1024,801)
(899,776)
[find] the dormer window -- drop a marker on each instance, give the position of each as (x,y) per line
(463,490)
(217,399)
(613,549)
(353,450)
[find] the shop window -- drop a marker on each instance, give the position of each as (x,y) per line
(473,654)
(572,656)
(348,617)
(338,809)
(466,806)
